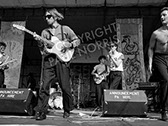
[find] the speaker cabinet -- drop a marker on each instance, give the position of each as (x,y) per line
(124,103)
(17,101)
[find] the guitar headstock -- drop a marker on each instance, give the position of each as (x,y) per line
(20,27)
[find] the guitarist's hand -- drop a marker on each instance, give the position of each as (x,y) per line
(4,67)
(36,37)
(96,75)
(67,44)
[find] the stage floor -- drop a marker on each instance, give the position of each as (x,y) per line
(82,117)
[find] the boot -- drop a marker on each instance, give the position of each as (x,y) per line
(164,115)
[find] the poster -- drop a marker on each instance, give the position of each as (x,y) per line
(129,31)
(14,40)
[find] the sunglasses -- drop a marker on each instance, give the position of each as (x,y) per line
(112,46)
(48,16)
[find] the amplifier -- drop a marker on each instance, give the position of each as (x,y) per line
(147,85)
(124,103)
(17,101)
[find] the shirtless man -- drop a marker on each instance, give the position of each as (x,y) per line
(158,59)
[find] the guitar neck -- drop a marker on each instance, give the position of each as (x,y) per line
(7,62)
(32,33)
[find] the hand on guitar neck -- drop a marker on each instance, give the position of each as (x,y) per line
(39,38)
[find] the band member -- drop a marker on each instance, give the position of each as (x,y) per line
(100,73)
(53,66)
(115,59)
(158,59)
(3,59)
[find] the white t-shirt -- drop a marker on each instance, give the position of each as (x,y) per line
(118,56)
(100,68)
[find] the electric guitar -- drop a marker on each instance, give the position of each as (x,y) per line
(64,54)
(3,65)
(98,78)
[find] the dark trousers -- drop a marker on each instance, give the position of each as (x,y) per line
(100,92)
(115,80)
(61,72)
(2,76)
(160,65)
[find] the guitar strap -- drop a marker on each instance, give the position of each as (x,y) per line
(62,33)
(105,68)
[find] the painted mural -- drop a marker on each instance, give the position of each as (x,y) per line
(14,40)
(129,31)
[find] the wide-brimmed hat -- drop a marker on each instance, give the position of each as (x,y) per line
(2,44)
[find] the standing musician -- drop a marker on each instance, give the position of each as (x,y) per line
(115,59)
(53,66)
(3,59)
(158,59)
(100,73)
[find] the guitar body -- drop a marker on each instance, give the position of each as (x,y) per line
(99,78)
(57,49)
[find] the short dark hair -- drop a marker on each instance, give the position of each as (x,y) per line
(2,44)
(164,8)
(102,57)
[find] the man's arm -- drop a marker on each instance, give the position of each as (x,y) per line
(94,71)
(118,61)
(152,43)
(43,39)
(74,40)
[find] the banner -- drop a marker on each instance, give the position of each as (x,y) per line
(94,43)
(129,31)
(14,40)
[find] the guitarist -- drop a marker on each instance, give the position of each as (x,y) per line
(53,68)
(3,58)
(100,69)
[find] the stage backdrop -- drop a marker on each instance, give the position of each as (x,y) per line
(14,40)
(129,31)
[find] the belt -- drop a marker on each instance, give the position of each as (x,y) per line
(161,54)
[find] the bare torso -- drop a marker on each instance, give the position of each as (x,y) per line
(161,39)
